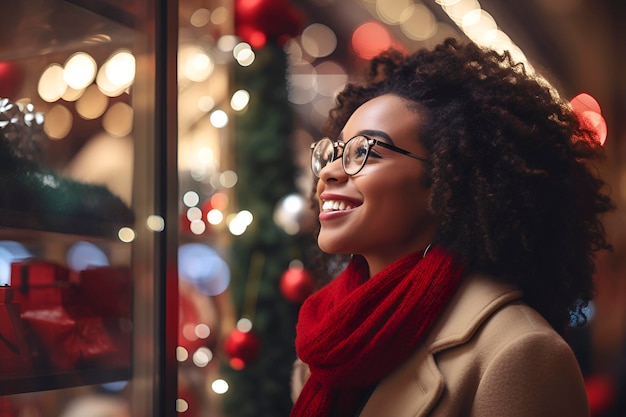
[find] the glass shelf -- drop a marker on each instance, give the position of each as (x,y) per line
(52,380)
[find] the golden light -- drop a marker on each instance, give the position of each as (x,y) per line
(197,227)
(202,331)
(478,25)
(228,179)
(108,87)
(92,104)
(155,223)
(391,11)
(219,386)
(191,199)
(194,213)
(120,68)
(244,54)
(202,357)
(456,10)
(200,18)
(58,122)
(181,405)
(226,43)
(196,65)
(181,354)
(72,94)
(318,40)
(52,85)
(239,100)
(79,70)
(220,15)
(418,23)
(218,118)
(118,120)
(126,234)
(244,325)
(215,217)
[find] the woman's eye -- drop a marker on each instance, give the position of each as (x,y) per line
(360,152)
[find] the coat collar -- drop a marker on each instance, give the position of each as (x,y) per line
(477,298)
(415,387)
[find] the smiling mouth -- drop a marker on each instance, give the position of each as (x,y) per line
(334,205)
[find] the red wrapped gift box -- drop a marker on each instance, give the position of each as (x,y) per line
(14,355)
(107,291)
(64,331)
(69,338)
(40,284)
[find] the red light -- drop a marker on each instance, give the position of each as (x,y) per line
(370,39)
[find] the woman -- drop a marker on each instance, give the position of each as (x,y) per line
(462,188)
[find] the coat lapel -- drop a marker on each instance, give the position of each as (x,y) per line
(416,386)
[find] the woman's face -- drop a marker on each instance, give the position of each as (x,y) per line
(385,214)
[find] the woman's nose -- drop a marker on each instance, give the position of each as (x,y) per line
(333,171)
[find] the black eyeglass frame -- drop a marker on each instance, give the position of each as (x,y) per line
(371,142)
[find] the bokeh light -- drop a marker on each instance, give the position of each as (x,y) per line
(318,40)
(201,17)
(219,386)
(118,120)
(370,38)
(79,70)
(83,255)
(58,122)
(390,12)
(52,85)
(419,23)
(219,118)
(191,198)
(239,100)
(92,104)
(155,223)
(126,234)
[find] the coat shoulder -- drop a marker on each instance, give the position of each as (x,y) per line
(515,364)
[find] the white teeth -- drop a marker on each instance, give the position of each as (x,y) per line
(336,205)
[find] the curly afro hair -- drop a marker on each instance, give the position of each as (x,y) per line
(510,169)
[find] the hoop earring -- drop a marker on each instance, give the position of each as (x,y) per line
(426,250)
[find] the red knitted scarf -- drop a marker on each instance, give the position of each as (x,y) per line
(355,331)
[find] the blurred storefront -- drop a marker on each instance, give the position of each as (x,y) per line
(154,212)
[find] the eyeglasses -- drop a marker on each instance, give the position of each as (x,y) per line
(355,153)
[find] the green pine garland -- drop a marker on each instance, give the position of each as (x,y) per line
(266,169)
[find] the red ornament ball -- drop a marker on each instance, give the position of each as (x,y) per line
(296,284)
(242,348)
(259,20)
(11,79)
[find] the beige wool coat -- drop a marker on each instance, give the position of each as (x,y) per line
(488,355)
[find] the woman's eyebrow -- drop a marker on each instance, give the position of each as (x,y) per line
(378,134)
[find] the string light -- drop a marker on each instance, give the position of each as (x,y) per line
(126,234)
(155,223)
(219,386)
